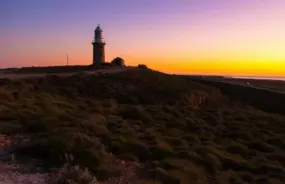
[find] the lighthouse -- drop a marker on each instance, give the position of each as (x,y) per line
(98,47)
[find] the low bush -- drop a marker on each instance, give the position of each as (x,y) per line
(261,146)
(6,95)
(192,139)
(276,157)
(264,169)
(262,180)
(147,117)
(237,148)
(163,176)
(148,182)
(277,141)
(104,173)
(211,162)
(177,143)
(138,148)
(134,112)
(235,163)
(235,179)
(246,176)
(175,163)
(162,150)
(72,174)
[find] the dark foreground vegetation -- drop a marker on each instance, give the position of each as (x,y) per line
(180,130)
(48,69)
(277,85)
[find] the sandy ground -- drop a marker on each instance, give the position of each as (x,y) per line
(11,173)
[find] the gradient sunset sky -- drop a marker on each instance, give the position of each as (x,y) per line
(224,37)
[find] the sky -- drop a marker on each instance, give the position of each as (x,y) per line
(211,37)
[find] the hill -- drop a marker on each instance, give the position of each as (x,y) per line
(161,128)
(47,69)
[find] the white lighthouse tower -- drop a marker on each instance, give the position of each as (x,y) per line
(98,47)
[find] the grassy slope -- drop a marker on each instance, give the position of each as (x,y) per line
(183,130)
(270,84)
(49,69)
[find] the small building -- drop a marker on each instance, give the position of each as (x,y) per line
(118,62)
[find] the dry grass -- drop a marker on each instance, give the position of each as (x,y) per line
(165,128)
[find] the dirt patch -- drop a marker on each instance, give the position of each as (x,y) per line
(12,173)
(129,173)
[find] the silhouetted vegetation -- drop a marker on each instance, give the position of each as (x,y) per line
(50,69)
(182,130)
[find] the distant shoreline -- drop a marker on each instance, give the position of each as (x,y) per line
(185,74)
(261,78)
(236,77)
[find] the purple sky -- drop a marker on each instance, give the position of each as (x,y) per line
(171,32)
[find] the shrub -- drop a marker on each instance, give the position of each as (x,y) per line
(37,126)
(5,81)
(30,112)
(10,127)
(88,157)
(134,112)
(277,141)
(172,132)
(205,149)
(163,176)
(262,180)
(72,174)
(235,163)
(261,146)
(138,148)
(129,157)
(50,109)
(96,129)
(276,157)
(126,130)
(104,173)
(235,178)
(206,137)
(239,135)
(247,177)
(174,111)
(96,109)
(177,143)
(172,163)
(211,162)
(108,105)
(7,113)
(51,149)
(6,95)
(275,181)
(237,148)
(64,104)
(148,182)
(182,177)
(265,168)
(162,150)
(193,139)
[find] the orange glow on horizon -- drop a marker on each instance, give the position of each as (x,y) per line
(236,38)
(237,68)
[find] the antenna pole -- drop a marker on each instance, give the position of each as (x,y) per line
(67,59)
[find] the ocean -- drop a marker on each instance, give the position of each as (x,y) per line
(259,78)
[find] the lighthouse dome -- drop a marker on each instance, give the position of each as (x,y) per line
(98,29)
